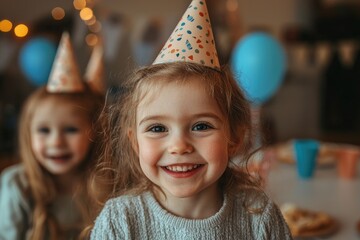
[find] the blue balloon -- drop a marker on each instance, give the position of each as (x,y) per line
(36,59)
(258,63)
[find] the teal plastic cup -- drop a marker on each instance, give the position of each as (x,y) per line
(306,152)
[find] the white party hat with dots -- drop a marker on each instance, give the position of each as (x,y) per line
(192,40)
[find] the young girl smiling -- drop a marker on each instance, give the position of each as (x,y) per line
(176,146)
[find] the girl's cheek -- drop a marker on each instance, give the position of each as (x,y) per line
(35,142)
(82,142)
(148,152)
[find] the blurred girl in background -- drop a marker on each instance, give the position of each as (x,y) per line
(45,197)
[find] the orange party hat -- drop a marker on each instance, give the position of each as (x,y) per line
(65,75)
(94,74)
(192,40)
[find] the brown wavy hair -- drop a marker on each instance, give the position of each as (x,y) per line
(119,171)
(42,187)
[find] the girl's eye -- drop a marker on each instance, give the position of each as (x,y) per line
(71,129)
(43,130)
(157,128)
(201,127)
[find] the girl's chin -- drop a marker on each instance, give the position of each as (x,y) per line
(60,169)
(181,193)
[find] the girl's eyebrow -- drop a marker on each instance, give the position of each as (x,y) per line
(151,117)
(199,115)
(208,115)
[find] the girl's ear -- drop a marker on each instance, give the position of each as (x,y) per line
(236,144)
(233,149)
(132,138)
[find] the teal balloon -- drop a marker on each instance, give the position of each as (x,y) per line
(36,59)
(258,63)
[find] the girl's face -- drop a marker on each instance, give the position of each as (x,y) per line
(59,136)
(182,140)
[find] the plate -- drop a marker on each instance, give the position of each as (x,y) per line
(325,231)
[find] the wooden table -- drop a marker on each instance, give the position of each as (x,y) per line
(324,192)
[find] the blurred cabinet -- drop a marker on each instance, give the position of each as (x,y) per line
(319,97)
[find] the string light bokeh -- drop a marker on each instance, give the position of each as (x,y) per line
(85,9)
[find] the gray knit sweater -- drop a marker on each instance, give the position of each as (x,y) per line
(142,217)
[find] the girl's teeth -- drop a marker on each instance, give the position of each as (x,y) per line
(181,168)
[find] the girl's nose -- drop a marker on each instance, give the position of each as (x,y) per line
(179,145)
(56,139)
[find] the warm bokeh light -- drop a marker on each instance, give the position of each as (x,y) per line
(58,13)
(91,21)
(96,27)
(79,4)
(91,39)
(5,25)
(86,14)
(21,30)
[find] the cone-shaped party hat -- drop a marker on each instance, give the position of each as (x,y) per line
(94,74)
(192,40)
(65,75)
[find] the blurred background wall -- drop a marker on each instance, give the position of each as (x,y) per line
(317,99)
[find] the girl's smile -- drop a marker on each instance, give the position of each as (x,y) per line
(182,170)
(60,158)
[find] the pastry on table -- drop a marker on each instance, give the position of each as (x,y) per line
(303,222)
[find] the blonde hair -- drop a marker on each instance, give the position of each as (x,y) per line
(41,185)
(119,171)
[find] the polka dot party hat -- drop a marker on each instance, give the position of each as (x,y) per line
(192,40)
(65,75)
(94,74)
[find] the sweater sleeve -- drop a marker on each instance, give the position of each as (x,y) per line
(105,224)
(14,204)
(274,226)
